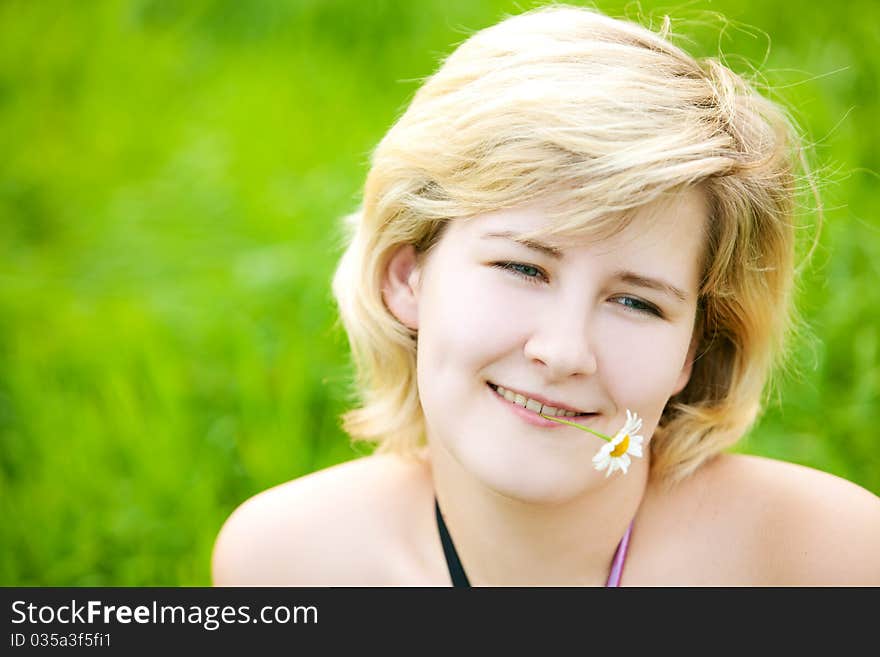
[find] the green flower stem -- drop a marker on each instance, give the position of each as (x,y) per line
(577,426)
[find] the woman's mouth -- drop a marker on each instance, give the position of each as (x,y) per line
(534,405)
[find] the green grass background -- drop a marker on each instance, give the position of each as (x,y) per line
(171,174)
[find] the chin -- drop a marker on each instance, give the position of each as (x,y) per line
(535,481)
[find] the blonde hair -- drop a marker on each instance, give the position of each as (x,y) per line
(602,116)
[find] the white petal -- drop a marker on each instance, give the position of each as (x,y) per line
(635,450)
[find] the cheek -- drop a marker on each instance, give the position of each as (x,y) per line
(464,329)
(470,319)
(643,365)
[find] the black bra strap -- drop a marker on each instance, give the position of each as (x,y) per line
(452,561)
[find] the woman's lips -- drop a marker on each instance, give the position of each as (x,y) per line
(534,418)
(541,401)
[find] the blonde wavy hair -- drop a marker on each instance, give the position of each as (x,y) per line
(600,116)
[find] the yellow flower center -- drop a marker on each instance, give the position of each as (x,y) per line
(622,446)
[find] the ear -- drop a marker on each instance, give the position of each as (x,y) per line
(686,369)
(400,286)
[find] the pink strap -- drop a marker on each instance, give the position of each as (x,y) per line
(619,558)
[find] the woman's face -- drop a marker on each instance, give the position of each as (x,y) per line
(600,327)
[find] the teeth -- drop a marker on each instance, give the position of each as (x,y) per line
(533,405)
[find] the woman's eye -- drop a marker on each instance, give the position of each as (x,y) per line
(536,275)
(530,273)
(639,306)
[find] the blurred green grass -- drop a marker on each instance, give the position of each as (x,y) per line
(170,183)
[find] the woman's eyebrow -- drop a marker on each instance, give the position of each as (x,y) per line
(546,249)
(638,280)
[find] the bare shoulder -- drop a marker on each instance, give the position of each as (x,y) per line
(821,529)
(761,521)
(337,526)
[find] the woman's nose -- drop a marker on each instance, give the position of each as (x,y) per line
(563,343)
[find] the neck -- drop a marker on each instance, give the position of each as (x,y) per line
(505,541)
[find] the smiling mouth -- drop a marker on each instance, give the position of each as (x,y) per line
(535,406)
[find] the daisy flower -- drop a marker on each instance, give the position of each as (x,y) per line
(616,453)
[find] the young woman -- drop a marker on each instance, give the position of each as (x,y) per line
(574,219)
